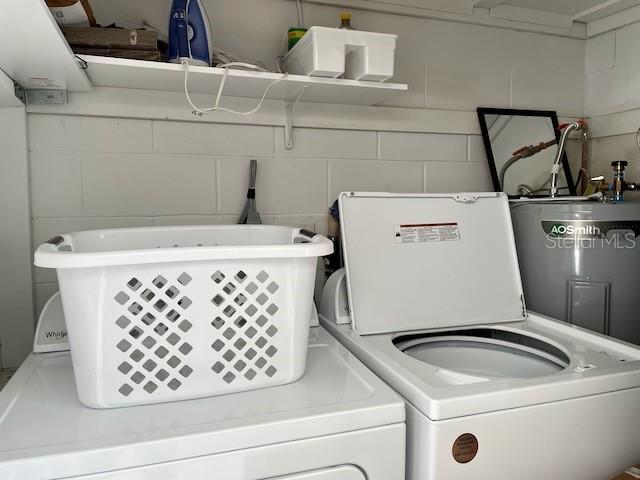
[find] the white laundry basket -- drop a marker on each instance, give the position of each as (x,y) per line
(171,313)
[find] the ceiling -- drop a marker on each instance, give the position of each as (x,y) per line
(573,18)
(573,10)
(564,7)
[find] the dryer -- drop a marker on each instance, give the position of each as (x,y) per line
(431,300)
(329,425)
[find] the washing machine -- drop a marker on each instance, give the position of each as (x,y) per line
(329,425)
(431,300)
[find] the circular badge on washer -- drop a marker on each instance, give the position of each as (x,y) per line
(465,448)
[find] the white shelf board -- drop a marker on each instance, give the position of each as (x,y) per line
(169,77)
(35,54)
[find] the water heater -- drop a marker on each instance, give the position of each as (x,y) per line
(580,262)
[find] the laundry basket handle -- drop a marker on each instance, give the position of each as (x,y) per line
(56,241)
(306,236)
(55,244)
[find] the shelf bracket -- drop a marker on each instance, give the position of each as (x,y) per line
(288,126)
(20,93)
(290,107)
(41,96)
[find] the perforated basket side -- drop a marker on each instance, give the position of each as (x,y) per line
(155,333)
(186,330)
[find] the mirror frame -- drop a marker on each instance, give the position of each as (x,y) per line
(482,111)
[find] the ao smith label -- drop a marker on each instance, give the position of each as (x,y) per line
(588,228)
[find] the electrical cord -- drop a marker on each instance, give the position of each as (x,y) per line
(300,14)
(217,108)
(228,60)
(222,57)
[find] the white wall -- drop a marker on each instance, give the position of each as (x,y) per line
(91,172)
(110,160)
(613,100)
(16,301)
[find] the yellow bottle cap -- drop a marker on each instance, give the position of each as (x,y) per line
(345,16)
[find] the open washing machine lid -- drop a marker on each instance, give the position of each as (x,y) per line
(418,261)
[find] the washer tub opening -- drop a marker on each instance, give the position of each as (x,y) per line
(485,352)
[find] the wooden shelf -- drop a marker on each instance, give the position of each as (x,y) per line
(145,75)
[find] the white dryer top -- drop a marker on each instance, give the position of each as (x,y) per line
(429,260)
(45,428)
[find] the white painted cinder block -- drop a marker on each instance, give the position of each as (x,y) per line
(148,184)
(613,82)
(627,60)
(447,177)
(284,185)
(605,150)
(368,176)
(315,223)
(324,143)
(633,90)
(467,66)
(466,85)
(212,138)
(56,184)
(538,88)
(48,133)
(548,73)
(606,90)
(477,152)
(422,146)
(177,220)
(626,48)
(600,52)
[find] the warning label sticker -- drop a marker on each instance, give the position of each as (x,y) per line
(426,232)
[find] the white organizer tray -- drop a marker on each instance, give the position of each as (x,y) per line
(332,52)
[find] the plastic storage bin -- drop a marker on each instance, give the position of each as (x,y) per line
(332,52)
(171,313)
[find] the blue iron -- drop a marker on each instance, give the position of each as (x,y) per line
(189,33)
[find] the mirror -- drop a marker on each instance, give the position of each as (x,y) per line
(520,171)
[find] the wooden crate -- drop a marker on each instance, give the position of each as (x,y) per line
(111,38)
(154,56)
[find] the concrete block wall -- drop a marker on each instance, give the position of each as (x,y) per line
(613,100)
(91,172)
(102,172)
(613,71)
(99,170)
